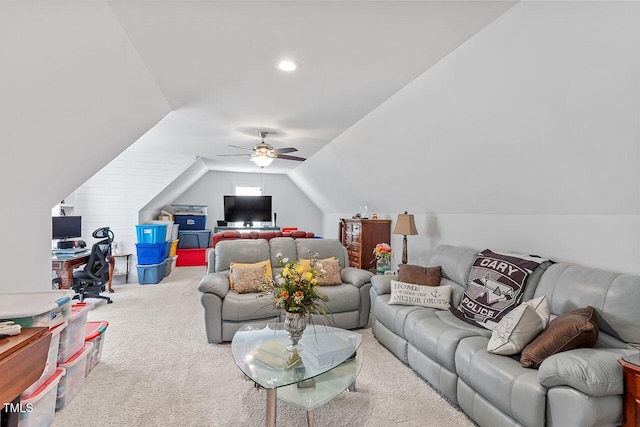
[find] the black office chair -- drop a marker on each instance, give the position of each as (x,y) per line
(93,278)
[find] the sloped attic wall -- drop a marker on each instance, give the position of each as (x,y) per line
(523,139)
(74,95)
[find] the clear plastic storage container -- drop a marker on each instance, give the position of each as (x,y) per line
(72,382)
(30,309)
(52,359)
(72,337)
(39,408)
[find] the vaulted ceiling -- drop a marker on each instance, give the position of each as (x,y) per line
(214,61)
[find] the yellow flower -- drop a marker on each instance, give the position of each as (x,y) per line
(314,281)
(300,269)
(309,276)
(285,272)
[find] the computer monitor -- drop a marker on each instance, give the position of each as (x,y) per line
(66,227)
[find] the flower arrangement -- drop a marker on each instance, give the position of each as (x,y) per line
(295,288)
(382,250)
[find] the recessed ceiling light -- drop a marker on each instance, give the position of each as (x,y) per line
(287,65)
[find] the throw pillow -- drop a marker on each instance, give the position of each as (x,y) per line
(519,327)
(247,278)
(494,287)
(331,275)
(268,274)
(429,276)
(575,329)
(422,295)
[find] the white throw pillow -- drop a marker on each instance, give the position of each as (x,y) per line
(519,327)
(425,296)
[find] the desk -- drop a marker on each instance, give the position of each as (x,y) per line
(22,361)
(63,265)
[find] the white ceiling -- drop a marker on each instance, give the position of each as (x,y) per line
(214,61)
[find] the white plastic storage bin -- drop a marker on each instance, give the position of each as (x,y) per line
(72,337)
(169,224)
(30,309)
(52,359)
(72,382)
(40,406)
(95,334)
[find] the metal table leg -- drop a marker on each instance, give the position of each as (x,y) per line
(271,407)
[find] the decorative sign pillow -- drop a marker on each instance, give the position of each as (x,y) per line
(494,287)
(429,276)
(519,327)
(247,278)
(268,274)
(425,296)
(575,329)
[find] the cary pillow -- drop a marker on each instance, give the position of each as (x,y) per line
(495,286)
(428,276)
(422,295)
(268,274)
(575,329)
(519,327)
(247,278)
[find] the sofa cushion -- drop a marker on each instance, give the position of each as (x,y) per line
(595,372)
(393,317)
(519,327)
(240,251)
(342,298)
(244,307)
(495,286)
(325,248)
(428,276)
(247,278)
(426,296)
(575,329)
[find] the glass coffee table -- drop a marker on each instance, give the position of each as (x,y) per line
(325,366)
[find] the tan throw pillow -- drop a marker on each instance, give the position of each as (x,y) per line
(422,295)
(519,327)
(247,279)
(427,276)
(268,274)
(331,276)
(575,329)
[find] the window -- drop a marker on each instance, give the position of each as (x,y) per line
(247,189)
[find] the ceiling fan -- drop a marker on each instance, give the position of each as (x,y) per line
(263,154)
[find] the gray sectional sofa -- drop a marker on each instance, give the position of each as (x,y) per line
(225,311)
(581,387)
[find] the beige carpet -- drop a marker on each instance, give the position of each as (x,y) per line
(158,370)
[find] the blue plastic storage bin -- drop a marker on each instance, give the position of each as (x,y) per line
(194,239)
(150,274)
(151,233)
(151,253)
(167,248)
(190,221)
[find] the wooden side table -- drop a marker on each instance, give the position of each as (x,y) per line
(631,397)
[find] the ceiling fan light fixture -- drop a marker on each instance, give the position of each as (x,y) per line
(262,160)
(287,65)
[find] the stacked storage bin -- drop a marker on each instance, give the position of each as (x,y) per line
(72,354)
(95,332)
(193,237)
(50,309)
(151,250)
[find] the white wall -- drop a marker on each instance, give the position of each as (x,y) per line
(74,95)
(294,208)
(525,137)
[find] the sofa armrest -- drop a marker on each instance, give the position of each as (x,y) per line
(215,283)
(381,283)
(593,371)
(355,276)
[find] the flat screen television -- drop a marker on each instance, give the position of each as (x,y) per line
(247,209)
(66,227)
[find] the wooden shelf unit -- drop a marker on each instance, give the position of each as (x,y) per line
(631,396)
(360,236)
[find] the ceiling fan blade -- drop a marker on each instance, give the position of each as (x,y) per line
(285,150)
(285,157)
(232,155)
(242,148)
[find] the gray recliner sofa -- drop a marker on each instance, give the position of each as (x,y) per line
(226,311)
(581,387)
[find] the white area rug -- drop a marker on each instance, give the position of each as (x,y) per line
(157,369)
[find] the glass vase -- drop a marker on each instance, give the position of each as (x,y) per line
(294,324)
(383,264)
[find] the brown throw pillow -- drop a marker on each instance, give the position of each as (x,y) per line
(331,276)
(575,329)
(247,278)
(428,276)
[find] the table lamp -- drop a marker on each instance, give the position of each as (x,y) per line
(406,226)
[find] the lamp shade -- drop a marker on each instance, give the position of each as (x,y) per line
(405,225)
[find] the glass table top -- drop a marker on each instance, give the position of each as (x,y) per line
(260,352)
